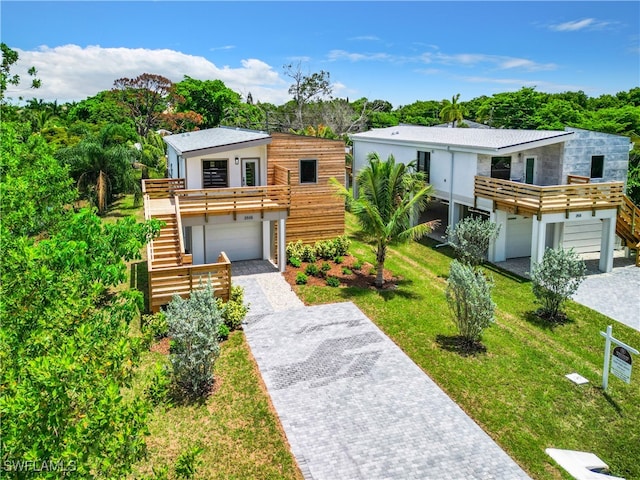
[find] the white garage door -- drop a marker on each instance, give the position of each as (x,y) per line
(240,241)
(518,236)
(583,237)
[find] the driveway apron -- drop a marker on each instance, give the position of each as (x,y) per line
(352,404)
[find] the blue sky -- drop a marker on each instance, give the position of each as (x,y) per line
(395,51)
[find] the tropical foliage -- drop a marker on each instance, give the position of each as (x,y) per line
(391,196)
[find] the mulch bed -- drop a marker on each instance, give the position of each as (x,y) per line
(161,346)
(358,278)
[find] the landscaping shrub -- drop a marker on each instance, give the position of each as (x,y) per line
(471,237)
(346,271)
(333,281)
(341,245)
(234,311)
(309,254)
(295,262)
(187,463)
(325,249)
(154,327)
(357,265)
(555,279)
(325,267)
(223,332)
(301,279)
(158,391)
(193,326)
(312,270)
(338,260)
(469,297)
(295,249)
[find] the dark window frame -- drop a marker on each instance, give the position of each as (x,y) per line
(597,166)
(304,171)
(211,174)
(498,168)
(423,164)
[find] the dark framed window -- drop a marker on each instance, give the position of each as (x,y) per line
(424,165)
(215,174)
(597,166)
(501,168)
(309,171)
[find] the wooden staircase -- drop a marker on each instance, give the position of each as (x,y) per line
(628,226)
(166,249)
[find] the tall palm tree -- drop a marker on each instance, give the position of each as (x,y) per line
(452,111)
(103,165)
(391,196)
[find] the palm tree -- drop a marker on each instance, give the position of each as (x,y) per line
(391,195)
(452,111)
(103,165)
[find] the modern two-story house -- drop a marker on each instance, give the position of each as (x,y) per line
(544,188)
(235,194)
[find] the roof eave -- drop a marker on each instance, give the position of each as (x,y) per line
(222,148)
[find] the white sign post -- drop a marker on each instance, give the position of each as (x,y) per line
(622,359)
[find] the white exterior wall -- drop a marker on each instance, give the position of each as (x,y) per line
(465,166)
(194,166)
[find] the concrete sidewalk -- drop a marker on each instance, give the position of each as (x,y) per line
(352,404)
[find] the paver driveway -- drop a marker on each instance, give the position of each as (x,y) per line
(352,404)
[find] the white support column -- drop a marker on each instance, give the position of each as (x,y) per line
(498,248)
(266,239)
(558,234)
(198,244)
(282,250)
(606,245)
(538,241)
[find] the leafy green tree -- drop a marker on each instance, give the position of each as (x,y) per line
(146,97)
(36,189)
(557,114)
(209,98)
(390,196)
(512,109)
(9,58)
(469,297)
(452,111)
(103,165)
(555,279)
(420,113)
(103,108)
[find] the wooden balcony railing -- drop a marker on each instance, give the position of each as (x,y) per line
(162,187)
(233,201)
(525,199)
(164,283)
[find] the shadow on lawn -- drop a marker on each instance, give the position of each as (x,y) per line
(460,345)
(534,318)
(139,280)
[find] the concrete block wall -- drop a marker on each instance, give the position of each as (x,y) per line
(579,150)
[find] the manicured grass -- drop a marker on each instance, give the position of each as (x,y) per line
(236,426)
(516,390)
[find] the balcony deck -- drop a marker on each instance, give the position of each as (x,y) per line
(534,200)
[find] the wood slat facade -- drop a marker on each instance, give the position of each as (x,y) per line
(316,213)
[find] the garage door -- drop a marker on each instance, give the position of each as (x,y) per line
(583,237)
(240,241)
(518,236)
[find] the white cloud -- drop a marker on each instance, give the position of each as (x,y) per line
(72,73)
(518,83)
(358,57)
(575,25)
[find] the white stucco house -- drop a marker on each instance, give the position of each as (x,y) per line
(544,188)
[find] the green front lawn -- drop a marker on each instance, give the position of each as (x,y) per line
(236,426)
(516,390)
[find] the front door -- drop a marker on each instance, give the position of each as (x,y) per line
(250,173)
(529,170)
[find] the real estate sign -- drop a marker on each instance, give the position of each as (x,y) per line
(621,364)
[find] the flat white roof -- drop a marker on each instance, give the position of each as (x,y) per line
(215,139)
(464,138)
